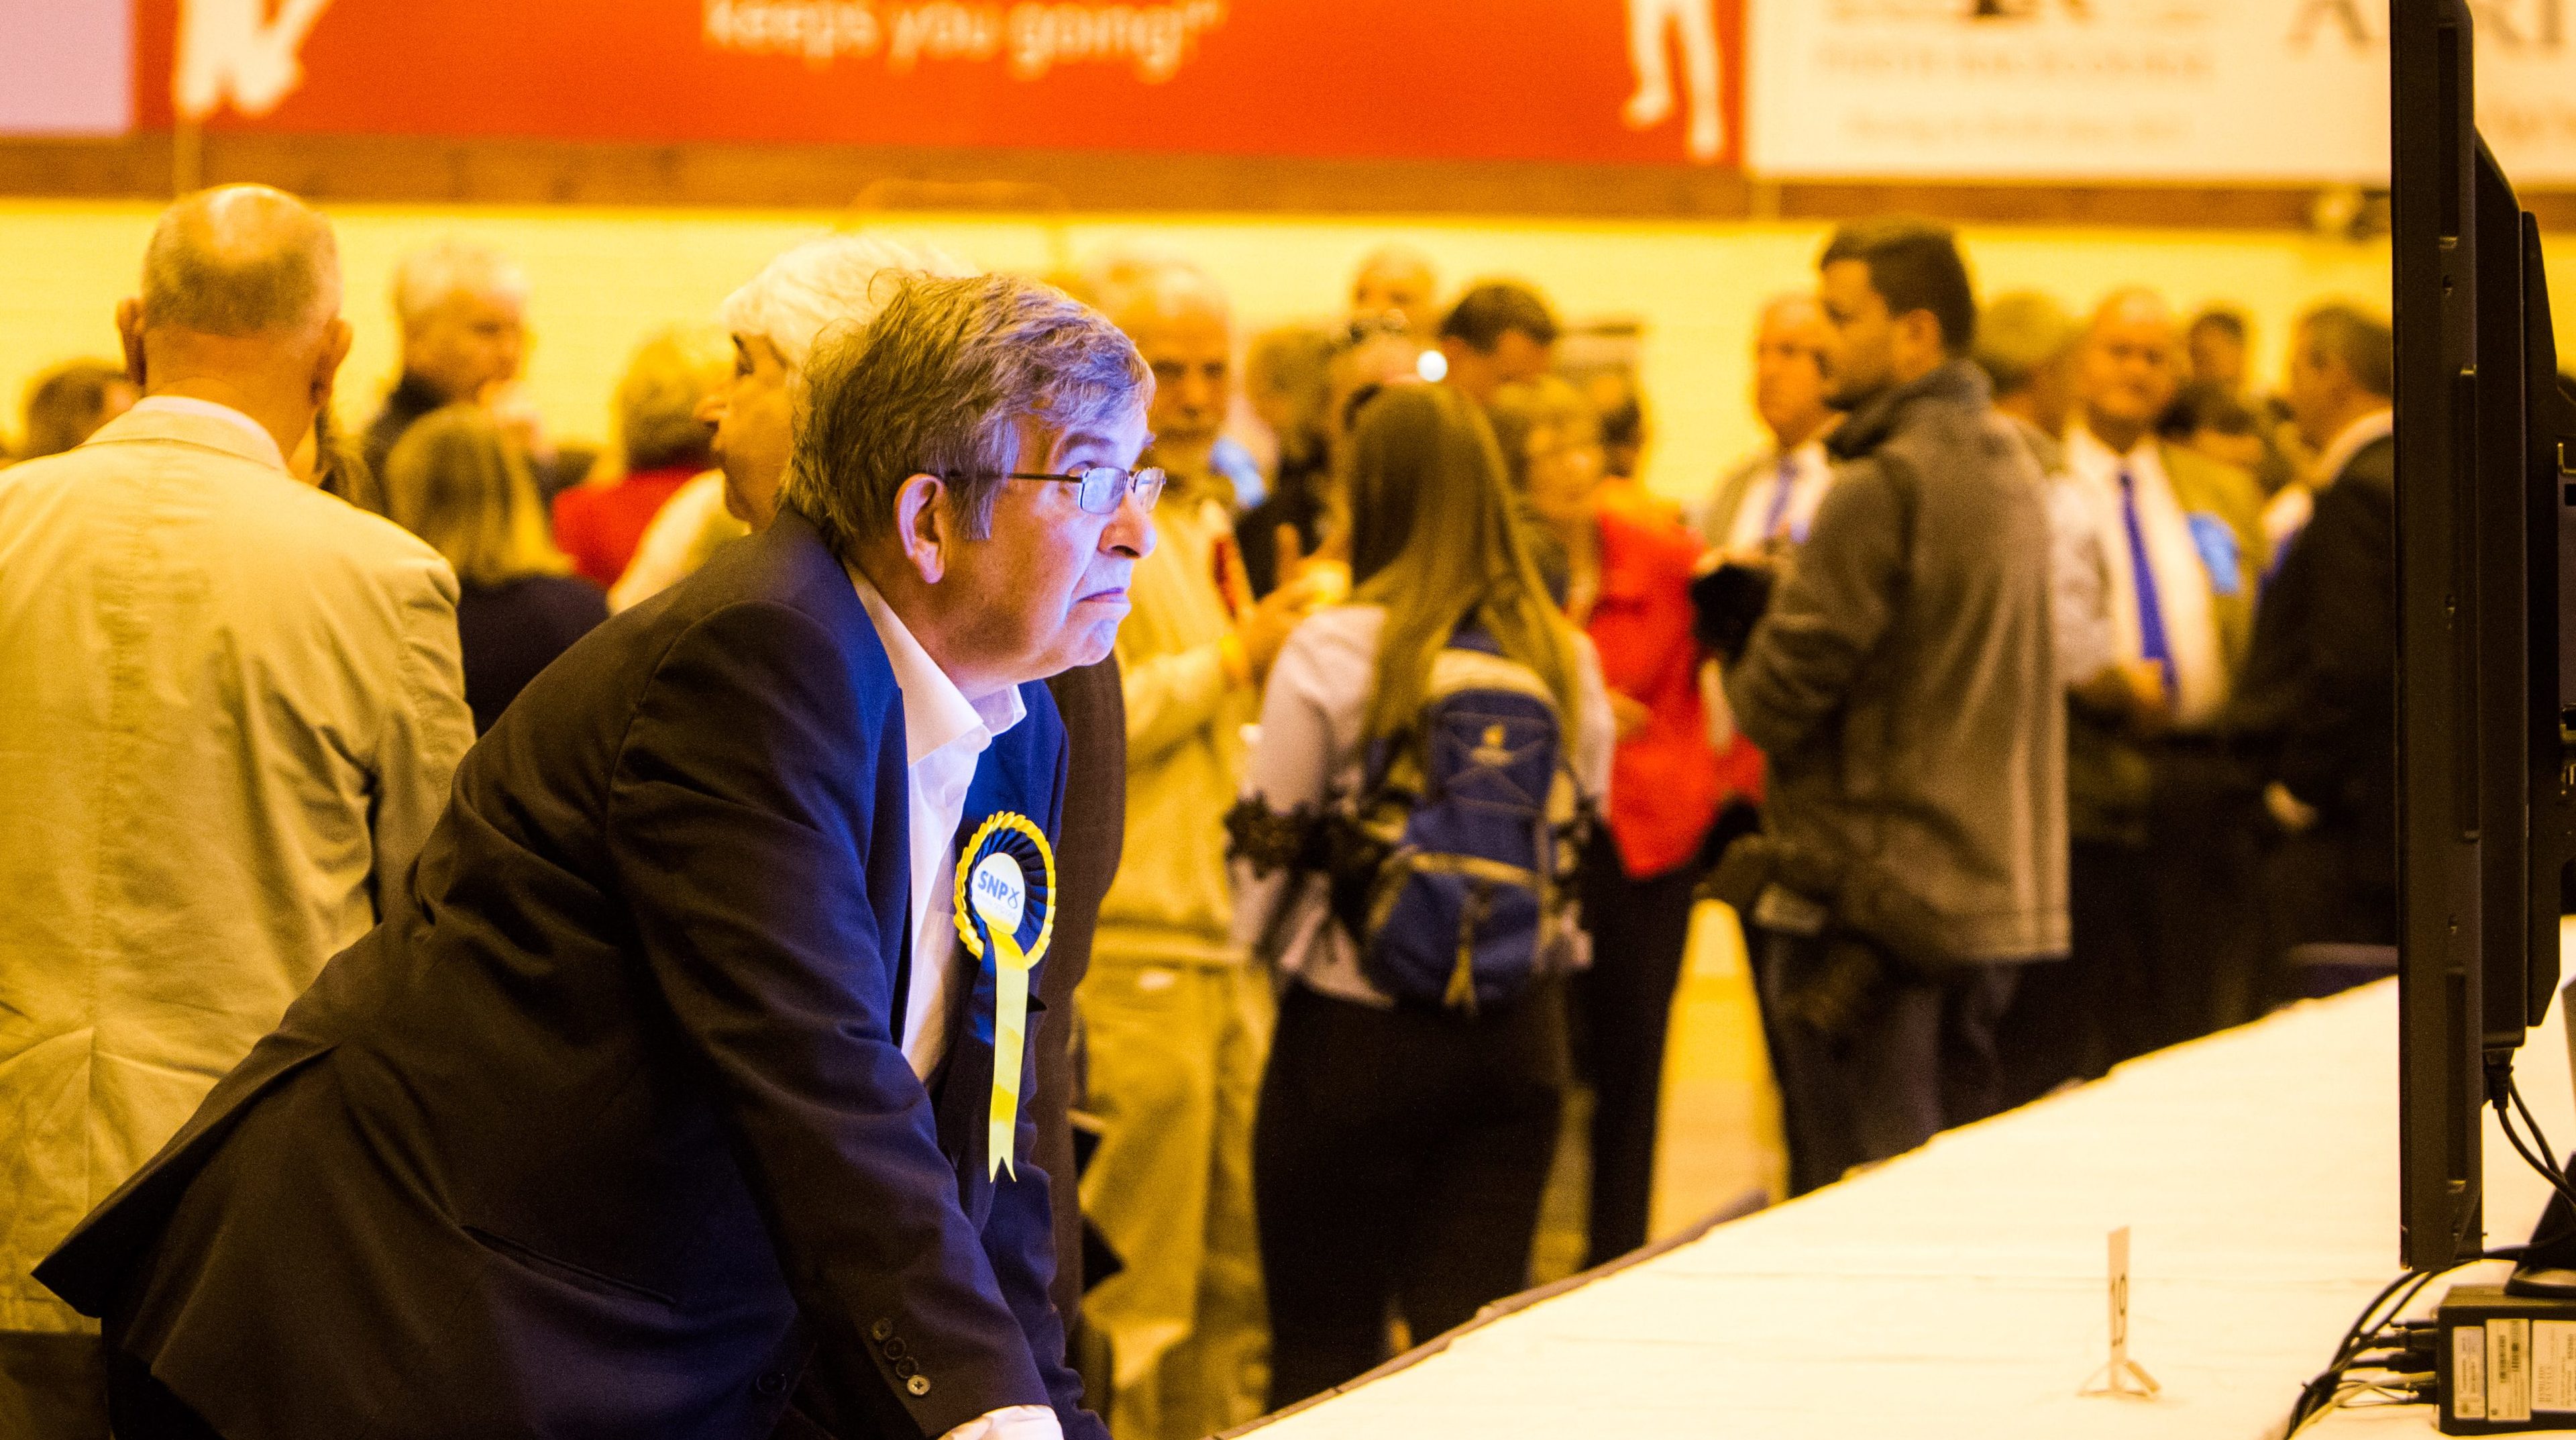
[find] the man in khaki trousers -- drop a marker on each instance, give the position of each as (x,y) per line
(1177,1022)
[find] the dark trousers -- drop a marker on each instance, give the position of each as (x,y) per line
(2073,1019)
(2120,992)
(144,1409)
(52,1385)
(2168,941)
(1398,1161)
(2055,1030)
(2205,849)
(1908,1058)
(1622,1006)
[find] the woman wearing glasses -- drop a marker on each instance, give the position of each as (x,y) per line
(1629,588)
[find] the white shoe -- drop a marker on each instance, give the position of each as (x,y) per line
(1651,106)
(1707,137)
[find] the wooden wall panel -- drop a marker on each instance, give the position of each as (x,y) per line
(519,172)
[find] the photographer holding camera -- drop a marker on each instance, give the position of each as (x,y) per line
(1900,680)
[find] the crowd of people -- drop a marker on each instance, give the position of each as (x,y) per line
(2029,698)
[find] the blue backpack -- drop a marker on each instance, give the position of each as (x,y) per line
(1453,865)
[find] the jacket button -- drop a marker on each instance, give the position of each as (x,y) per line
(919,1385)
(894,1349)
(906,1367)
(772,1384)
(881,1330)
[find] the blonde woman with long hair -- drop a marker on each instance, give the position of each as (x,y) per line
(458,481)
(1406,1128)
(661,443)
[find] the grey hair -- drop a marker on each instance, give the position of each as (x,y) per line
(823,284)
(2341,330)
(426,277)
(939,384)
(240,260)
(1160,290)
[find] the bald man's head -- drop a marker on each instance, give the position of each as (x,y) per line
(240,307)
(1184,328)
(239,261)
(1789,380)
(1398,280)
(2132,367)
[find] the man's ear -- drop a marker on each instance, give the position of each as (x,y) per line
(129,334)
(923,528)
(1918,338)
(326,361)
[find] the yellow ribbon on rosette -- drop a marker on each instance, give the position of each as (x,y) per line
(1006,913)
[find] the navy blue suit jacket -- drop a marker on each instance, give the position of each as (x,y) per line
(606,1130)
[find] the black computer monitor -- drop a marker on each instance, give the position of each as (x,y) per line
(2486,718)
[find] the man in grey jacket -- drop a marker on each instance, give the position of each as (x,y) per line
(1902,684)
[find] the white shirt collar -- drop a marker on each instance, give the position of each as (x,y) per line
(936,714)
(2089,455)
(2356,437)
(208,410)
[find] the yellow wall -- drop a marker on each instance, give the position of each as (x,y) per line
(605,277)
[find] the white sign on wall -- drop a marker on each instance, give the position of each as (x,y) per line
(2249,91)
(66,67)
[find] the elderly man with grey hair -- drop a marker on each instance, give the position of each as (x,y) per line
(1176,1019)
(229,708)
(681,1090)
(774,321)
(463,309)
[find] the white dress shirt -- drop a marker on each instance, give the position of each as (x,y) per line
(1810,474)
(945,736)
(2288,512)
(2359,435)
(2182,577)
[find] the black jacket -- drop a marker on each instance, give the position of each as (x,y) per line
(1094,706)
(2316,710)
(606,1129)
(508,632)
(1901,681)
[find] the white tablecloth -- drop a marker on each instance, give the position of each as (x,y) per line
(1959,1291)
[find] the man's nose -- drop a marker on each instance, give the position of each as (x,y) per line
(1131,530)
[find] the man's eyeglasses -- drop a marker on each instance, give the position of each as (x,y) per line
(1100,488)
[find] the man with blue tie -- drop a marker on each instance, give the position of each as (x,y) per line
(681,1090)
(1767,505)
(2159,860)
(1771,499)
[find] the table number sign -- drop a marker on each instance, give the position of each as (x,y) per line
(2122,1376)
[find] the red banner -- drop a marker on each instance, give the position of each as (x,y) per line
(1619,81)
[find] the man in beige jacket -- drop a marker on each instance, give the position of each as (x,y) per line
(229,708)
(1178,1024)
